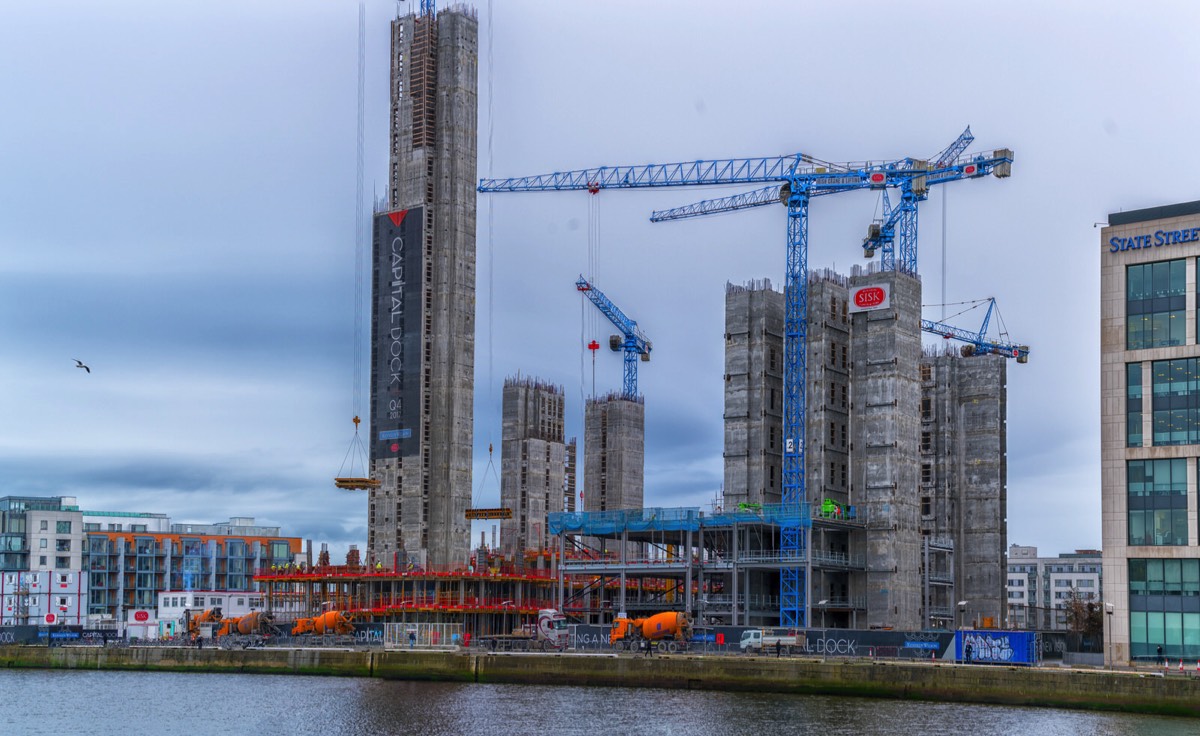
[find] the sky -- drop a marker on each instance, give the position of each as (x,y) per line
(177,210)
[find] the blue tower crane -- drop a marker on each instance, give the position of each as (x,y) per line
(429,8)
(631,340)
(794,180)
(977,343)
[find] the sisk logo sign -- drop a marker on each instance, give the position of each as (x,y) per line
(865,298)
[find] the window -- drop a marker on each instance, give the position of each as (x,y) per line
(114,527)
(1157,502)
(91,527)
(137,528)
(1163,607)
(926,408)
(61,562)
(926,473)
(926,373)
(199,600)
(43,543)
(42,561)
(62,527)
(62,545)
(1175,401)
(1016,582)
(926,506)
(1154,304)
(927,442)
(63,578)
(44,525)
(62,601)
(1133,404)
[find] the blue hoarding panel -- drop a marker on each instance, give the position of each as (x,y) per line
(997,647)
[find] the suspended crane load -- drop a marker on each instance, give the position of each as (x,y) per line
(792,180)
(356,456)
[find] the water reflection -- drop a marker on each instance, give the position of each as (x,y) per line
(64,702)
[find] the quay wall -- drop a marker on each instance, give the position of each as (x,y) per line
(1136,692)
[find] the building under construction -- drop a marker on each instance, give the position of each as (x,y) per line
(911,440)
(423,317)
(533,462)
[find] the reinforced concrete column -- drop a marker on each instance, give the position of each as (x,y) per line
(624,564)
(733,582)
(562,548)
(687,580)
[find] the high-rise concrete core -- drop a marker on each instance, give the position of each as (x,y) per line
(423,333)
(532,462)
(753,393)
(614,453)
(914,440)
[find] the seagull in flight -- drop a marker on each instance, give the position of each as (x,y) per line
(79,364)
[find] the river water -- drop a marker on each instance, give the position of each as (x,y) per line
(170,704)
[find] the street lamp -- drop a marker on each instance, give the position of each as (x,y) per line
(821,605)
(1108,634)
(962,610)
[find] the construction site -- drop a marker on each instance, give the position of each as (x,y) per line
(864,471)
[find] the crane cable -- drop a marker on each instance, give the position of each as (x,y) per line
(477,498)
(356,455)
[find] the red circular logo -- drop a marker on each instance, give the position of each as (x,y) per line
(970,169)
(395,447)
(877,177)
(51,618)
(141,616)
(871,296)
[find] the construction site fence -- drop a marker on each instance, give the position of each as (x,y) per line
(607,523)
(840,643)
(401,636)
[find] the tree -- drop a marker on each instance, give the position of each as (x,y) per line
(1084,615)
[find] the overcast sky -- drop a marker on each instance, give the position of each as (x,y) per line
(177,204)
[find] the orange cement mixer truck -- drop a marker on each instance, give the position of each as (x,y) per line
(669,631)
(330,622)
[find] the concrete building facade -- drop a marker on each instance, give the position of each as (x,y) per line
(1150,431)
(532,462)
(904,461)
(1040,589)
(423,337)
(753,394)
(614,443)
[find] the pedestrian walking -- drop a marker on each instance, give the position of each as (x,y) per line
(778,648)
(1160,657)
(969,651)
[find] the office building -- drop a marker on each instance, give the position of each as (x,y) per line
(1150,431)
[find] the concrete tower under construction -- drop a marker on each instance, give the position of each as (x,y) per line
(532,462)
(614,445)
(912,439)
(423,317)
